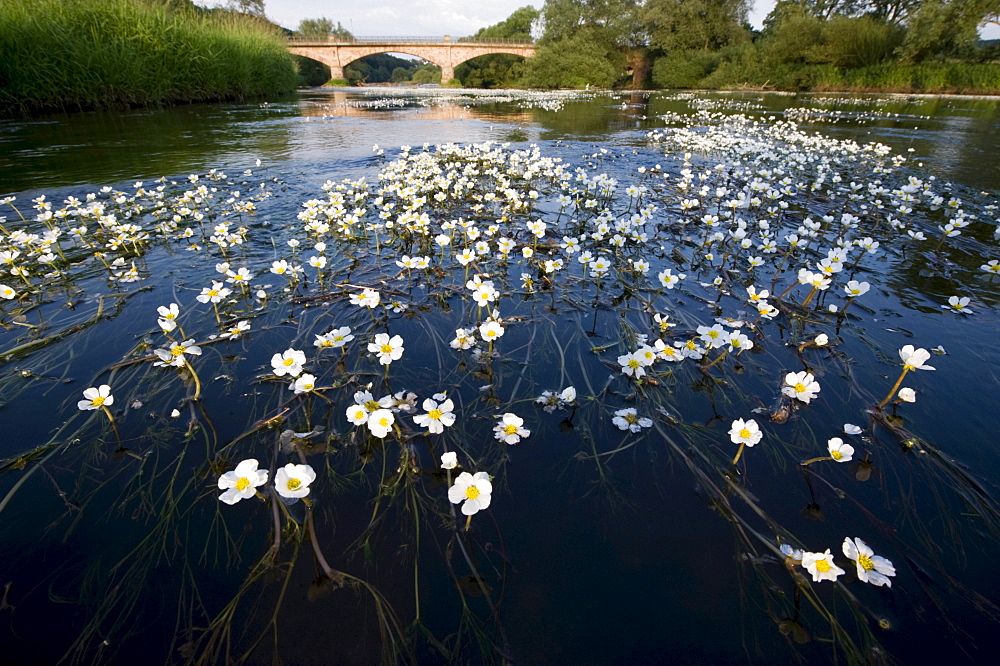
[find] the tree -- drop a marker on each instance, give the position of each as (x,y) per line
(611,27)
(494,71)
(252,7)
(518,25)
(695,24)
(942,28)
(322,27)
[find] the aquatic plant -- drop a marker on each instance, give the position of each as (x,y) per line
(673,301)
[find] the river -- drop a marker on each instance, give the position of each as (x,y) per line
(612,536)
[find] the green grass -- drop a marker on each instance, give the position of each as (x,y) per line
(98,54)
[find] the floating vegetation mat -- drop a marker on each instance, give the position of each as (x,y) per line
(254,403)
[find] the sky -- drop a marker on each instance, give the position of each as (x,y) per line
(416,18)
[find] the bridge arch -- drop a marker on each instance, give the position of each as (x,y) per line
(445,54)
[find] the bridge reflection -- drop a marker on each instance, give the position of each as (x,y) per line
(337,104)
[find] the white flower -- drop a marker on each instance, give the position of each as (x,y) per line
(213,294)
(821,566)
(872,568)
(387,349)
(380,422)
(508,430)
(437,417)
(838,450)
(852,429)
(915,359)
(96,397)
(745,432)
(288,363)
(368,298)
(854,288)
(175,355)
(236,331)
(357,414)
(475,490)
(907,394)
(303,384)
(633,364)
(7,292)
(626,419)
(491,330)
(242,482)
(168,317)
(338,337)
(293,480)
(958,304)
(821,340)
(449,460)
(800,385)
(463,338)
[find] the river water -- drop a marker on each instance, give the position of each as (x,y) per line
(600,545)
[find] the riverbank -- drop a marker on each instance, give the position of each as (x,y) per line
(106,54)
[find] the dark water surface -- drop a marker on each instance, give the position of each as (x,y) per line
(599,546)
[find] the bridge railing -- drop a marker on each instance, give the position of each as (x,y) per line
(395,39)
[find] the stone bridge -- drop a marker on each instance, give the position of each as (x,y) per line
(441,51)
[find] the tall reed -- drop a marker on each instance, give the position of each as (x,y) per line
(96,54)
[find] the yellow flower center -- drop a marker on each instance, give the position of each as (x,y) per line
(242,483)
(865,562)
(98,401)
(435,414)
(836,455)
(359,414)
(510,429)
(822,566)
(471,492)
(288,362)
(386,349)
(384,422)
(633,363)
(713,334)
(631,418)
(799,388)
(371,405)
(744,433)
(294,484)
(326,343)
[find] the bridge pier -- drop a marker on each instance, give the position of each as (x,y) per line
(447,73)
(337,72)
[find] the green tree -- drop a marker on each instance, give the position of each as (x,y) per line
(315,28)
(613,28)
(943,28)
(495,71)
(695,24)
(252,7)
(321,27)
(576,61)
(518,25)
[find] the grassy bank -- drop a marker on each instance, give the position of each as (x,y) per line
(744,68)
(87,54)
